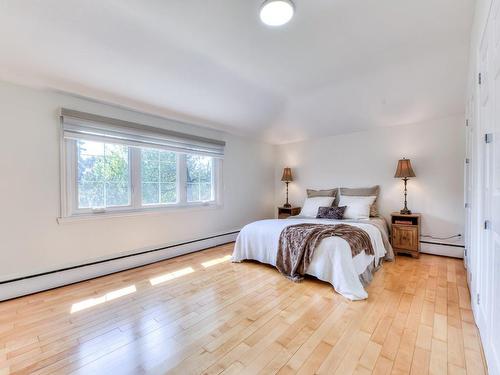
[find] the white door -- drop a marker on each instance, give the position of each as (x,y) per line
(468,184)
(492,234)
(482,286)
(469,201)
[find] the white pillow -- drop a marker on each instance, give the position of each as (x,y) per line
(357,207)
(311,205)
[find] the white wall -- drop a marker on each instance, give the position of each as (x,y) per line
(436,149)
(31,240)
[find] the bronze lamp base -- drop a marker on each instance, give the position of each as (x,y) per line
(287,205)
(405,210)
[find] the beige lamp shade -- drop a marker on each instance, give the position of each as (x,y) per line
(404,169)
(287,175)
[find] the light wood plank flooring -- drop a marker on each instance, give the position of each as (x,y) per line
(202,314)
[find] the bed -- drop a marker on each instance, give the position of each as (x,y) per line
(332,260)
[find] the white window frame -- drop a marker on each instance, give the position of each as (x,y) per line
(69,187)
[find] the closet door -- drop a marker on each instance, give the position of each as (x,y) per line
(483,275)
(492,145)
(468,189)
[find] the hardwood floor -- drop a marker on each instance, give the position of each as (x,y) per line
(202,314)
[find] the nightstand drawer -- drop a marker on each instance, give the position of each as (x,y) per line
(405,237)
(284,212)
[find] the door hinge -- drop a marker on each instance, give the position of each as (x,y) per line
(488,137)
(478,298)
(467,122)
(487,225)
(479,79)
(465,252)
(466,205)
(467,161)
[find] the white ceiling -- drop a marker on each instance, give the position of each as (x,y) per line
(339,66)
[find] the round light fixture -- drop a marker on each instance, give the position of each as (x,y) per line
(276,12)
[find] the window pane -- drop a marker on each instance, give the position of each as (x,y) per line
(150,193)
(168,172)
(117,194)
(91,194)
(103,175)
(150,171)
(91,148)
(91,168)
(193,192)
(199,178)
(206,192)
(168,157)
(193,168)
(158,177)
(168,193)
(149,154)
(206,174)
(116,163)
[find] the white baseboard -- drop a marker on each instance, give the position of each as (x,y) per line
(54,279)
(443,250)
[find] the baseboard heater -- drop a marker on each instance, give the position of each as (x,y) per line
(30,284)
(442,248)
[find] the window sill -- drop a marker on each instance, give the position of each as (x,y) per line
(139,212)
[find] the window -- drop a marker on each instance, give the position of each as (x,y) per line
(103,173)
(199,171)
(113,177)
(158,177)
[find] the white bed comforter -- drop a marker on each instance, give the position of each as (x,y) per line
(332,260)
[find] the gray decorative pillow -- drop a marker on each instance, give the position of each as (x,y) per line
(364,192)
(335,213)
(321,193)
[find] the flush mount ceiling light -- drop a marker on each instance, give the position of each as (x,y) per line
(276,12)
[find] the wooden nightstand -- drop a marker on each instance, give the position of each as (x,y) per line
(405,236)
(284,212)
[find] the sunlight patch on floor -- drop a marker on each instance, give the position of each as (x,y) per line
(213,262)
(102,299)
(169,276)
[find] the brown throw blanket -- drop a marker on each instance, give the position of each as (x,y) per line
(298,242)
